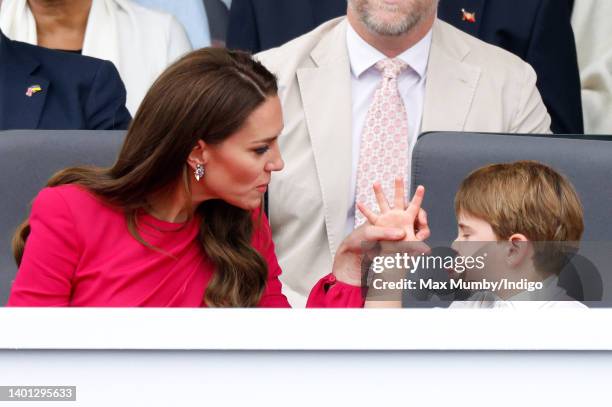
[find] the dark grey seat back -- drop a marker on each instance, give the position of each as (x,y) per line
(27,159)
(440,161)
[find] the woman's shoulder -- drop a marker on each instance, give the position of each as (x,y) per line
(74,207)
(67,192)
(75,197)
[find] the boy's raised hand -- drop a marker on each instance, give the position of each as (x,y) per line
(412,218)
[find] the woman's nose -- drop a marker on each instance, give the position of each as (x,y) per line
(277,163)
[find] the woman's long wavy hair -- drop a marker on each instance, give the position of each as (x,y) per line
(207,95)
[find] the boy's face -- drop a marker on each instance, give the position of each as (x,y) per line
(504,258)
(471,229)
(475,237)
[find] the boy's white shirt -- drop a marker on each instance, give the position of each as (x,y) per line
(550,296)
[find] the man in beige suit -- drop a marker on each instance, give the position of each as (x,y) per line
(328,78)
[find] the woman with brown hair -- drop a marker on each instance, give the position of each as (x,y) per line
(176,220)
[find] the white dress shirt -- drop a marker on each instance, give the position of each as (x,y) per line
(365,80)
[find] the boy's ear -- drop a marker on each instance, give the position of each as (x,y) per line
(200,154)
(518,250)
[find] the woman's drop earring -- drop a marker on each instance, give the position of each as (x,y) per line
(199,172)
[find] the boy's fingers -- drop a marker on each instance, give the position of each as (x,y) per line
(421,226)
(423,233)
(369,215)
(422,219)
(380,197)
(400,200)
(417,200)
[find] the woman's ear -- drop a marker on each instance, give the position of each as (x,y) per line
(519,250)
(199,154)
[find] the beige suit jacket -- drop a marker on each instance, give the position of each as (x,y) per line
(470,86)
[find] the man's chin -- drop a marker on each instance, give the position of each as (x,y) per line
(387,26)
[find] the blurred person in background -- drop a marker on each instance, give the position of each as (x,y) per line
(190,13)
(218,20)
(593,30)
(46,89)
(139,41)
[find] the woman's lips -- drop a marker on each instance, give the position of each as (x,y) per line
(262,188)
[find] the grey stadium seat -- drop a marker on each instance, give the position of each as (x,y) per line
(27,159)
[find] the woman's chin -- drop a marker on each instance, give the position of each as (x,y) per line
(256,204)
(248,201)
(249,205)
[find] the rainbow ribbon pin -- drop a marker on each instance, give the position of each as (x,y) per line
(32,90)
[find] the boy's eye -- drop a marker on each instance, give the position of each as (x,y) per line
(261,150)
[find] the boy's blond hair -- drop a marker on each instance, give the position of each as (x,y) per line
(523,197)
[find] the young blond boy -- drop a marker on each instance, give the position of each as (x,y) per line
(534,219)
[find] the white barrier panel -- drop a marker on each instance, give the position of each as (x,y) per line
(316,378)
(300,329)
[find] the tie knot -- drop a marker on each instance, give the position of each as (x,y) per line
(391,68)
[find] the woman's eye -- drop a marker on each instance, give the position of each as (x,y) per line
(261,150)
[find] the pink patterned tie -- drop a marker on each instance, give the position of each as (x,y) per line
(383,152)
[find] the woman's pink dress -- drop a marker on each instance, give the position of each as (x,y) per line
(80,253)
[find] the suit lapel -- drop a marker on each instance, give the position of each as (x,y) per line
(18,73)
(451,83)
(326,98)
